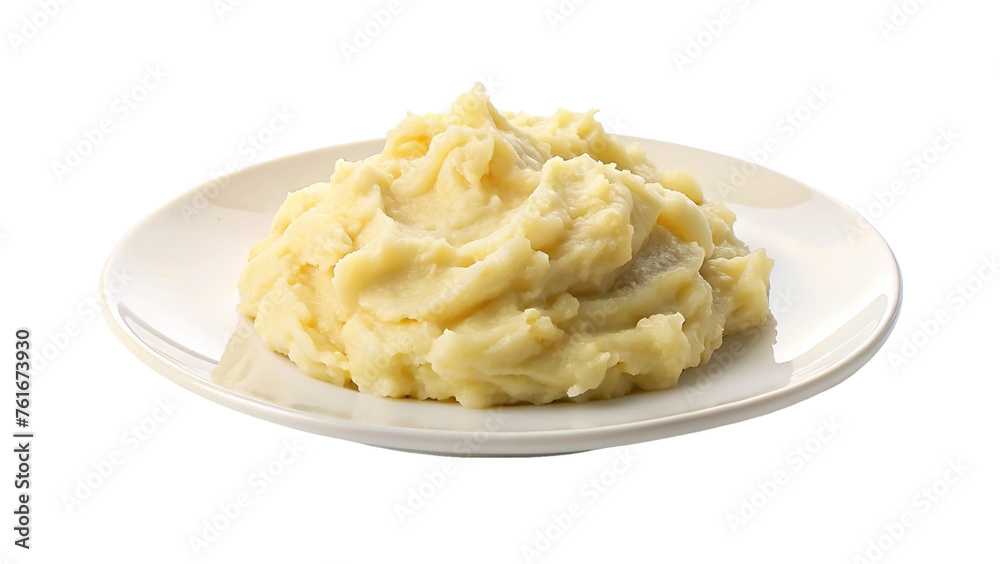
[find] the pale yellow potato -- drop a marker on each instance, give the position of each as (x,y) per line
(498,258)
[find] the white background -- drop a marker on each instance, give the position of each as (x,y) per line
(226,71)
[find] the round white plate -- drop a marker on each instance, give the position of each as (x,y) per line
(835,295)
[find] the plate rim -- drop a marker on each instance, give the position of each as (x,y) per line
(509,443)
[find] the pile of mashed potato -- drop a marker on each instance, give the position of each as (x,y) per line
(497,258)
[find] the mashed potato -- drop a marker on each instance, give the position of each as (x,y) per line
(498,258)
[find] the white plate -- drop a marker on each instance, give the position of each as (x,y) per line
(835,295)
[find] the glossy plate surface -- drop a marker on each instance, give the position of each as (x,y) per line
(835,295)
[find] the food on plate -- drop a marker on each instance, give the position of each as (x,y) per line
(498,258)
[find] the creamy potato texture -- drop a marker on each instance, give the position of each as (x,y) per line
(498,258)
